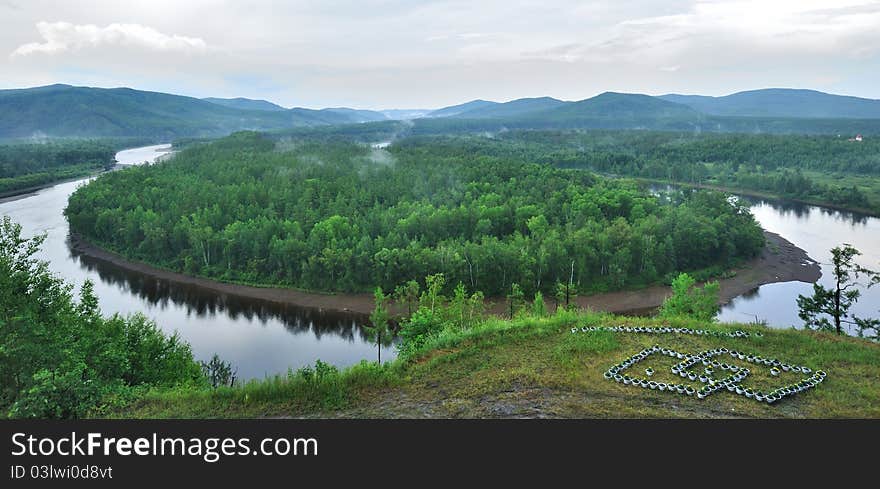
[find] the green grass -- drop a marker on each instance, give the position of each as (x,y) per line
(869,184)
(535,367)
(278,395)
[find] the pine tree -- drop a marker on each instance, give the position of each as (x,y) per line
(515,299)
(837,301)
(379,329)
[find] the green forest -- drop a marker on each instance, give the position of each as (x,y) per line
(27,165)
(792,166)
(823,169)
(346,217)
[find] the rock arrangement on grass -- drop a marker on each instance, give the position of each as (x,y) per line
(707,360)
(668,330)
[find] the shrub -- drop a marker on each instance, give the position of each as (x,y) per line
(59,358)
(414,332)
(690,301)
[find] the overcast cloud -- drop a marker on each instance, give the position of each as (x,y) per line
(408,54)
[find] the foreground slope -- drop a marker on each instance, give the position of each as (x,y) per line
(536,367)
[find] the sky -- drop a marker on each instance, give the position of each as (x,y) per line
(383,54)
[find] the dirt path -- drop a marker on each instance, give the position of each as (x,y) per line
(781,261)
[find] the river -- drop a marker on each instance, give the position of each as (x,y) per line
(258,337)
(816,230)
(264,338)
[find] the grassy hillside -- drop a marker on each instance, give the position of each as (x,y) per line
(66,111)
(536,367)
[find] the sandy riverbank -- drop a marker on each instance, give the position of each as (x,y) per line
(781,261)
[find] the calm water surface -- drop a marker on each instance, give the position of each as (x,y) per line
(258,337)
(816,230)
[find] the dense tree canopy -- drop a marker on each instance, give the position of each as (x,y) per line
(27,165)
(795,166)
(346,217)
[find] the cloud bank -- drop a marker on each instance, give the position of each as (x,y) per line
(61,37)
(429,53)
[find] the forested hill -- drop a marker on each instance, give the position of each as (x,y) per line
(245,103)
(67,111)
(345,217)
(782,102)
(773,103)
(454,110)
(775,111)
(513,108)
(608,106)
(830,170)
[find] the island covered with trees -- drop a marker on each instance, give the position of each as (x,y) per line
(347,217)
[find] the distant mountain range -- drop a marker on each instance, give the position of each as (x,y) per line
(771,103)
(454,110)
(245,103)
(782,102)
(358,115)
(770,110)
(405,114)
(514,108)
(68,111)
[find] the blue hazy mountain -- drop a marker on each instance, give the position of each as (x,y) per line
(454,110)
(782,102)
(245,103)
(68,111)
(514,108)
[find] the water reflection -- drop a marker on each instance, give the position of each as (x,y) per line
(259,337)
(816,230)
(202,302)
(802,211)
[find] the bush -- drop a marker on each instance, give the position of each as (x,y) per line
(59,358)
(218,372)
(59,394)
(414,332)
(690,301)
